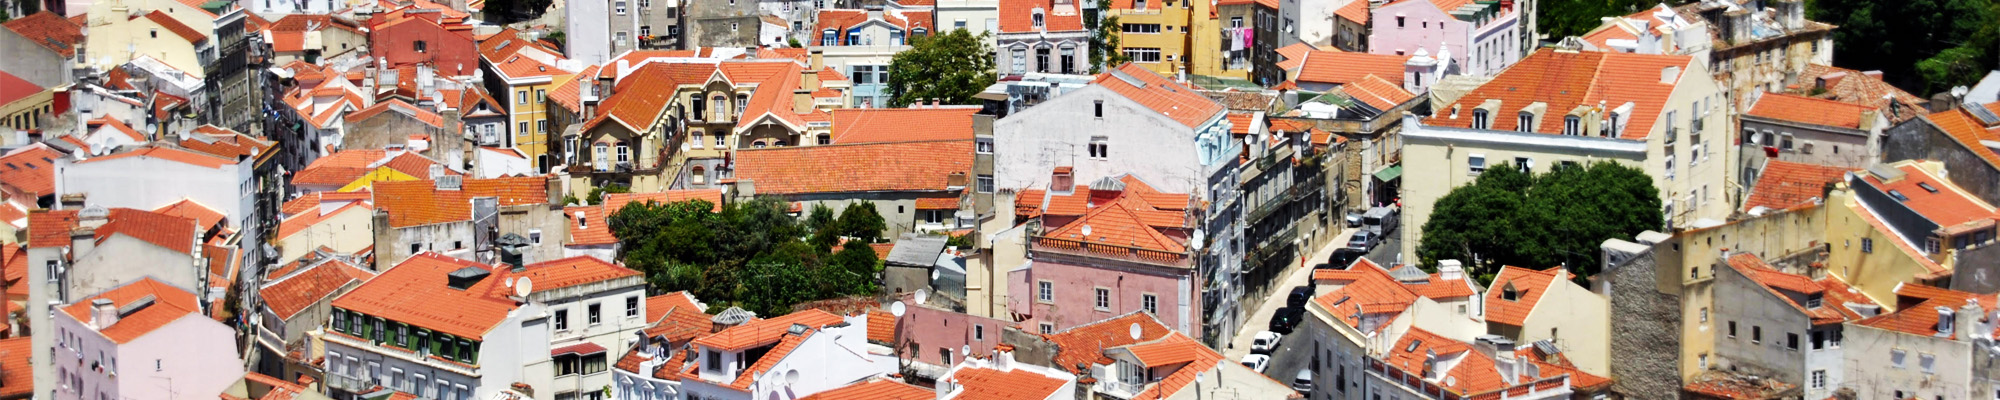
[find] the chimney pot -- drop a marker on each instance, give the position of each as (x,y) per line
(103,313)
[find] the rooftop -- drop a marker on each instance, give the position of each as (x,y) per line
(1340,68)
(1809,111)
(1917,309)
(1169,98)
(884,125)
(167,304)
(1784,184)
(876,389)
(765,332)
(572,271)
(1516,291)
(1080,347)
(30,169)
(872,167)
(50,30)
(289,295)
(1017,16)
(1562,82)
(416,292)
(1835,295)
(1017,383)
(415,203)
(1363,289)
(1931,196)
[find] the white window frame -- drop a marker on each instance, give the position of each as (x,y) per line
(1045,291)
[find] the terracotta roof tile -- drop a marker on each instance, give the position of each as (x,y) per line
(169,304)
(289,295)
(225,143)
(1967,131)
(1784,184)
(875,167)
(1473,373)
(15,366)
(1916,312)
(657,306)
(1017,16)
(567,95)
(302,221)
(1946,207)
(583,231)
(1169,98)
(415,292)
(116,126)
(840,20)
(876,389)
(203,216)
(883,125)
(49,30)
(1339,67)
(399,106)
(1834,293)
(1080,347)
(30,169)
(641,97)
(680,323)
(1364,289)
(573,271)
(1855,87)
(764,332)
(881,326)
(171,232)
(1529,286)
(50,228)
(1807,110)
(169,154)
(414,203)
(1175,347)
(993,384)
(1564,81)
(1377,92)
(166,21)
(1356,11)
(771,358)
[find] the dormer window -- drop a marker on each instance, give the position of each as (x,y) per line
(1038,19)
(1510,293)
(1480,119)
(826,38)
(1572,126)
(1527,122)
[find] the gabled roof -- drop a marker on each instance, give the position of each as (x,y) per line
(1784,184)
(1916,312)
(657,306)
(771,99)
(589,226)
(30,169)
(1527,284)
(1564,81)
(1017,16)
(1355,11)
(1176,348)
(167,231)
(186,33)
(994,384)
(1080,347)
(16,366)
(50,228)
(1856,87)
(1377,92)
(1473,373)
(680,320)
(1807,110)
(840,20)
(1946,206)
(116,126)
(642,96)
(168,154)
(1968,131)
(1339,67)
(289,295)
(203,215)
(414,112)
(414,203)
(1365,289)
(882,125)
(1128,220)
(225,143)
(874,389)
(49,30)
(765,332)
(169,304)
(1434,286)
(1834,294)
(1169,98)
(572,271)
(307,219)
(567,94)
(872,167)
(416,292)
(312,201)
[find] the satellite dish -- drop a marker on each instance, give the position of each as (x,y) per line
(523,287)
(792,377)
(1086,232)
(896,309)
(1196,241)
(934,274)
(1198,376)
(965,349)
(921,295)
(1135,331)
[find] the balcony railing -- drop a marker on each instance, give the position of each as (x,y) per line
(1114,388)
(1108,250)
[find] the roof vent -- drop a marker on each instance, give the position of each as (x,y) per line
(1128,78)
(135,306)
(1885,173)
(463,278)
(450,182)
(796,329)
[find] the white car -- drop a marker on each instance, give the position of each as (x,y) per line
(1257,362)
(1264,342)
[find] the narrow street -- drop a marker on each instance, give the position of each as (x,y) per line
(1260,319)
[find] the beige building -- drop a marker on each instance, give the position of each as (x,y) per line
(1529,306)
(346,229)
(119,32)
(1904,223)
(1687,264)
(1662,114)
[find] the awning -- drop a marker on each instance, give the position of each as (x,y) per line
(1389,173)
(585,348)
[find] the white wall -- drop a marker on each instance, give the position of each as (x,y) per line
(147,183)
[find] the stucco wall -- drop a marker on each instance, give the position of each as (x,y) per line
(1756,311)
(32,62)
(1074,294)
(1871,260)
(195,355)
(1578,321)
(121,259)
(347,232)
(1874,375)
(934,329)
(1441,157)
(1031,143)
(147,183)
(1840,147)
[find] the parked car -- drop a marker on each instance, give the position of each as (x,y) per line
(1304,382)
(1285,319)
(1264,342)
(1300,295)
(1381,219)
(1257,362)
(1343,257)
(1354,220)
(1363,240)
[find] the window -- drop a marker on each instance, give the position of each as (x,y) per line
(1704,315)
(697,141)
(1819,379)
(958,24)
(1527,122)
(53,270)
(985,184)
(1100,147)
(713,361)
(624,153)
(1141,28)
(1042,59)
(1479,120)
(419,45)
(1572,126)
(1756,334)
(981,146)
(1047,328)
(826,38)
(521,97)
(1399,21)
(1703,364)
(1020,60)
(1867,245)
(1150,303)
(1927,362)
(541,95)
(594,313)
(1896,358)
(1476,164)
(978,332)
(1038,19)
(1103,299)
(1045,291)
(542,126)
(619,7)
(1068,60)
(1785,142)
(1791,341)
(743,100)
(1524,164)
(562,319)
(944,354)
(1098,108)
(1143,54)
(631,306)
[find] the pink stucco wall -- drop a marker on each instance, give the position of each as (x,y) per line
(1074,301)
(1425,26)
(932,329)
(192,357)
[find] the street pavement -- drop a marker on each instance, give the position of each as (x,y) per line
(1282,362)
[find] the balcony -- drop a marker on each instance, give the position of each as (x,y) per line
(1275,204)
(1122,390)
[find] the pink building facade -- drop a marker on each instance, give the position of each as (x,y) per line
(937,333)
(1479,38)
(1062,291)
(141,341)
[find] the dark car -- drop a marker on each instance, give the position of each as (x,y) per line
(1300,295)
(1285,319)
(1342,257)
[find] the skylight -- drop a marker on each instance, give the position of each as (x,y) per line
(1927,187)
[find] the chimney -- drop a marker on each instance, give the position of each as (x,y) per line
(1063,180)
(1431,372)
(802,100)
(1450,270)
(1877,74)
(1670,74)
(809,78)
(1946,318)
(1501,350)
(1003,357)
(103,314)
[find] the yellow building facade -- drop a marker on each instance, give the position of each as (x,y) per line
(1156,34)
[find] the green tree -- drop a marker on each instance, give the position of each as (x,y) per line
(860,221)
(751,254)
(1104,40)
(597,193)
(1888,36)
(854,268)
(511,11)
(952,66)
(1564,18)
(1507,217)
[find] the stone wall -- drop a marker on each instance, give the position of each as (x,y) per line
(1645,337)
(1920,139)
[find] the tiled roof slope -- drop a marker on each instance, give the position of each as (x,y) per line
(186,33)
(169,304)
(1946,207)
(50,228)
(874,389)
(203,216)
(49,30)
(15,366)
(169,154)
(874,167)
(1566,80)
(1377,92)
(1529,285)
(764,332)
(1339,67)
(1916,312)
(993,384)
(639,98)
(414,203)
(1365,289)
(1807,110)
(1080,347)
(225,143)
(657,306)
(572,271)
(1835,294)
(1968,132)
(1177,346)
(882,125)
(1855,87)
(1784,184)
(167,231)
(299,223)
(290,295)
(1017,16)
(30,169)
(1128,220)
(1169,98)
(416,292)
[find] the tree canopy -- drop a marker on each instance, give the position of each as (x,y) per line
(1564,18)
(1104,38)
(1508,217)
(1926,46)
(953,66)
(752,255)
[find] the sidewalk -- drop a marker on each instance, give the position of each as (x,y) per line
(1260,319)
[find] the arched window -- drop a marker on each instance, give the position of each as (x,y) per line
(1527,122)
(698,175)
(1038,18)
(1479,119)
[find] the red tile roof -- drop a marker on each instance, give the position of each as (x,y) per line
(171,232)
(169,154)
(30,169)
(679,323)
(764,332)
(883,125)
(117,126)
(1356,11)
(1437,288)
(415,292)
(303,220)
(1364,289)
(1807,110)
(50,228)
(225,143)
(1784,184)
(399,106)
(1968,132)
(583,232)
(1017,16)
(1527,283)
(840,20)
(567,94)
(312,201)
(1176,347)
(876,389)
(49,30)
(573,271)
(1564,81)
(414,203)
(1916,312)
(1947,207)
(1377,92)
(639,98)
(1855,87)
(186,33)
(657,306)
(1080,347)
(771,99)
(1834,293)
(203,216)
(874,167)
(1131,221)
(1473,373)
(169,304)
(993,384)
(1339,67)
(881,326)
(291,294)
(1169,98)
(15,367)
